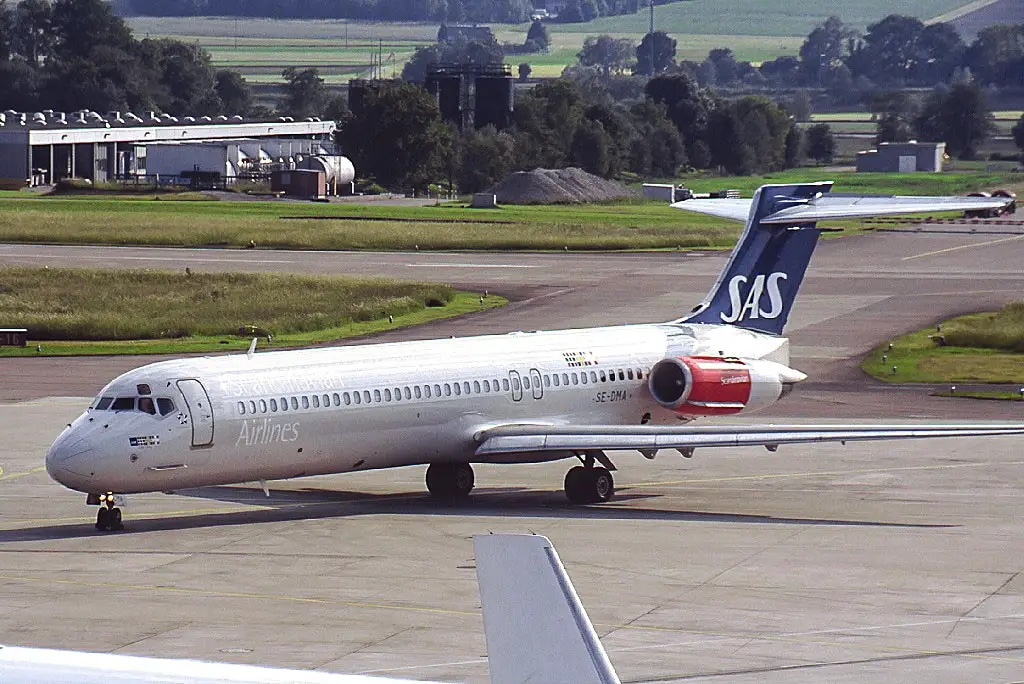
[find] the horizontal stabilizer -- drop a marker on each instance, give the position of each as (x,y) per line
(536,627)
(833,207)
(540,438)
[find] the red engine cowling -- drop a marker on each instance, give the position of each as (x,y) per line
(711,386)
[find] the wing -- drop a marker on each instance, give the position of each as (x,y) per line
(537,630)
(516,439)
(831,207)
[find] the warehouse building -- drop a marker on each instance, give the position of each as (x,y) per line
(902,157)
(44,147)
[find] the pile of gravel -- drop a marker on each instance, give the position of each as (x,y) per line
(557,186)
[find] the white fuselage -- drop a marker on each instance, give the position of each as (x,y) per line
(278,415)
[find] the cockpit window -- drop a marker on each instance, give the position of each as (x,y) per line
(165,405)
(123,404)
(146,405)
(104,403)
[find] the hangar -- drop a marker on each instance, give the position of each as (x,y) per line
(44,147)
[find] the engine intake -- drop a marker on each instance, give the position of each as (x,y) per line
(712,386)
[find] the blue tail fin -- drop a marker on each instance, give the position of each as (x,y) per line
(757,287)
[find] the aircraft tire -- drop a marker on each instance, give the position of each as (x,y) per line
(103,519)
(450,480)
(115,520)
(600,485)
(576,485)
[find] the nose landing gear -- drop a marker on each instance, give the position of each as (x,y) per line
(108,518)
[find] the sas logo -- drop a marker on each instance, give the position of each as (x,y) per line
(748,306)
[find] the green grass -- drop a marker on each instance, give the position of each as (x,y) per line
(999,396)
(93,311)
(976,350)
(166,220)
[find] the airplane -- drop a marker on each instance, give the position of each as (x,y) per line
(535,626)
(524,397)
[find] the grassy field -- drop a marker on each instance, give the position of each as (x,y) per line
(983,348)
(755,30)
(76,311)
(161,220)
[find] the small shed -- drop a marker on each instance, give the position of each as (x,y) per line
(309,183)
(902,157)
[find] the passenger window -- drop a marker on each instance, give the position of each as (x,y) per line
(273,405)
(355,395)
(622,376)
(263,405)
(547,381)
(447,390)
(426,391)
(516,385)
(123,404)
(603,379)
(305,401)
(565,378)
(376,395)
(398,394)
(504,384)
(408,393)
(487,385)
(366,396)
(558,383)
(476,386)
(241,407)
(575,379)
(295,403)
(387,394)
(465,387)
(327,400)
(419,392)
(105,403)
(337,399)
(629,373)
(583,377)
(458,389)
(284,403)
(252,406)
(437,391)
(165,405)
(593,377)
(348,398)
(316,401)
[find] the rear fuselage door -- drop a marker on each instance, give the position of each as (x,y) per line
(517,386)
(538,388)
(200,411)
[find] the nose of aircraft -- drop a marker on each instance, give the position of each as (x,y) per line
(67,460)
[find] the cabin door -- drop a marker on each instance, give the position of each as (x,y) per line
(200,412)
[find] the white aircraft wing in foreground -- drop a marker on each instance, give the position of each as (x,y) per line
(537,632)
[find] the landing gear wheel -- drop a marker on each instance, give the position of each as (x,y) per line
(589,485)
(109,519)
(450,480)
(576,485)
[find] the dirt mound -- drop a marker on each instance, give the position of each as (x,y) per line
(557,186)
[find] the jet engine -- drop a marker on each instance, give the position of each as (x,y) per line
(713,386)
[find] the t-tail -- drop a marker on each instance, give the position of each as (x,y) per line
(757,288)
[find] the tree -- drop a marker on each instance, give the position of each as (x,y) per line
(656,148)
(185,81)
(824,50)
(398,137)
(305,93)
(589,148)
(997,55)
(1018,135)
(78,26)
(460,51)
(821,145)
(234,93)
(960,116)
(524,71)
(794,147)
(31,32)
(537,37)
(607,53)
(895,112)
(661,48)
(689,107)
(485,157)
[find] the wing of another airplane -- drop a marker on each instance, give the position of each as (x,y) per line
(836,206)
(537,630)
(513,439)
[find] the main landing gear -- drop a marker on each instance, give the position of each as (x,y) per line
(590,483)
(108,518)
(450,480)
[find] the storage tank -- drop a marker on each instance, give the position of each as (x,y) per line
(339,171)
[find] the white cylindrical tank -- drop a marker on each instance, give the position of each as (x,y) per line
(338,169)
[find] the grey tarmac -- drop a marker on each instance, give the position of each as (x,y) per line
(864,563)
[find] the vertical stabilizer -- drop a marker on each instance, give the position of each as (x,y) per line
(757,287)
(536,627)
